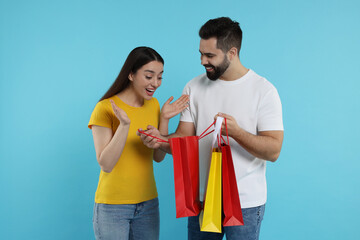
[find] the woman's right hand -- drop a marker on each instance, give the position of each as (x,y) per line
(120,114)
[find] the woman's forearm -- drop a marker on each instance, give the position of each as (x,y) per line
(159,154)
(112,152)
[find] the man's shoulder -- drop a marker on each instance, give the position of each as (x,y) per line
(260,82)
(197,81)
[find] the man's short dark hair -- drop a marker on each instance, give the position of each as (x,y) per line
(227,32)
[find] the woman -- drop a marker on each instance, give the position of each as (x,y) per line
(126,203)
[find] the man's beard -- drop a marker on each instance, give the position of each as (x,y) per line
(218,70)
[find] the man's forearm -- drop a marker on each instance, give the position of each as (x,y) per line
(266,145)
(184,129)
(165,147)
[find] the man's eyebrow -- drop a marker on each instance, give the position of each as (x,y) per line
(207,53)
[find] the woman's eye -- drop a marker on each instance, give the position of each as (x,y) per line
(147,77)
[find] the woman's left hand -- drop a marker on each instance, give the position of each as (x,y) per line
(170,110)
(148,141)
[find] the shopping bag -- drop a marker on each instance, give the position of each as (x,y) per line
(185,151)
(231,202)
(210,217)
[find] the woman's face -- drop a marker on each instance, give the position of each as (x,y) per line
(147,79)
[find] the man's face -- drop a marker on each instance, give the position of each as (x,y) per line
(213,59)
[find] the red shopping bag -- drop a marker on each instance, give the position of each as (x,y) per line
(231,202)
(185,151)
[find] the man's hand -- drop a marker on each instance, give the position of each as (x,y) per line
(266,145)
(232,126)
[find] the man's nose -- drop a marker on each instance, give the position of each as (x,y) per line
(204,60)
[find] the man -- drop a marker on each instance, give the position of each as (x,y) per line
(252,108)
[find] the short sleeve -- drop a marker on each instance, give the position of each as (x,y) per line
(101,116)
(270,112)
(185,115)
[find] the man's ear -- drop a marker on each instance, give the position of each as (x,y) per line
(232,53)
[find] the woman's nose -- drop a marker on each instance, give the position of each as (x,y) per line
(155,83)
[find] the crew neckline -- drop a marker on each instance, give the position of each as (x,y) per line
(129,106)
(236,81)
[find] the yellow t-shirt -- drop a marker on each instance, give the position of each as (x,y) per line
(132,179)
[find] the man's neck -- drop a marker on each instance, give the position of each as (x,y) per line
(234,72)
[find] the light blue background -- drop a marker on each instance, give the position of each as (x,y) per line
(57,58)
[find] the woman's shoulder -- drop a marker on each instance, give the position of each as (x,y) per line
(154,100)
(105,103)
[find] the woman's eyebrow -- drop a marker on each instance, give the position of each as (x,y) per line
(151,71)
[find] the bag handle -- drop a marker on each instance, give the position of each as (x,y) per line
(217,131)
(202,135)
(160,140)
(227,135)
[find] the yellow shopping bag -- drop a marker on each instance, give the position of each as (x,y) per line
(210,217)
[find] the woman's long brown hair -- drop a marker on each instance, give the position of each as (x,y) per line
(137,58)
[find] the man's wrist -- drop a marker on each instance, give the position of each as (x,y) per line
(237,133)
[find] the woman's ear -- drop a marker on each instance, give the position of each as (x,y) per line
(131,76)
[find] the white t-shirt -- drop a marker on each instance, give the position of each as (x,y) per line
(255,104)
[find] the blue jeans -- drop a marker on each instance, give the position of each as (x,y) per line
(127,221)
(249,231)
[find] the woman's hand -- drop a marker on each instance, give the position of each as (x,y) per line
(120,114)
(170,110)
(148,141)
